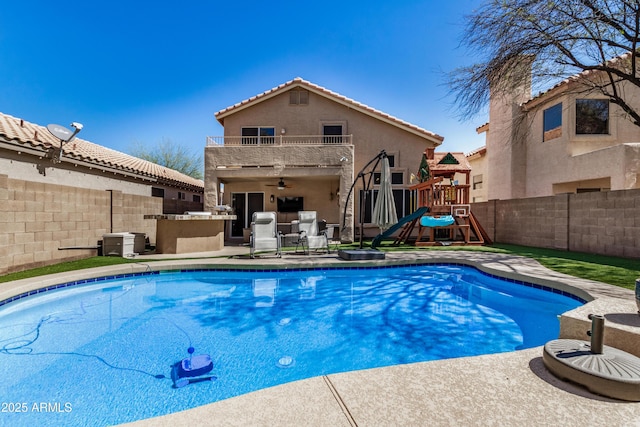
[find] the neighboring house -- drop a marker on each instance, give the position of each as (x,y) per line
(55,208)
(565,140)
(477,161)
(299,146)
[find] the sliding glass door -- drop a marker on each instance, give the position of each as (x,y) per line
(244,205)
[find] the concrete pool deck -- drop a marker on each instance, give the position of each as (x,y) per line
(504,389)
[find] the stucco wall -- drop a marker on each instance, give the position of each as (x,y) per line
(581,161)
(36,219)
(606,223)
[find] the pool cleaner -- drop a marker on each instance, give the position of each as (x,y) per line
(192,369)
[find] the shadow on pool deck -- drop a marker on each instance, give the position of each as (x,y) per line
(507,389)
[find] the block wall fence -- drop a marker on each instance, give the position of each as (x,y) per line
(37,219)
(605,223)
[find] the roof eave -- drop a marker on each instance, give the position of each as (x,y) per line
(71,159)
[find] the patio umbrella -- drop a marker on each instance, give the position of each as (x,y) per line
(384,210)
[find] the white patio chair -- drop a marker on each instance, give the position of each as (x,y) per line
(309,233)
(264,234)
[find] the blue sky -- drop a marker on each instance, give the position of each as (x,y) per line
(141,72)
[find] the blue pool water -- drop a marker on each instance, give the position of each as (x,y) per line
(100,354)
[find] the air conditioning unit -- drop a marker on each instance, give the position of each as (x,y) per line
(118,244)
(139,242)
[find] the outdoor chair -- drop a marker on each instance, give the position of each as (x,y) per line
(264,234)
(333,236)
(310,235)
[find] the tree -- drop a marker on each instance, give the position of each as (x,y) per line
(171,155)
(592,42)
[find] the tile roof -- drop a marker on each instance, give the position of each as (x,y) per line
(480,150)
(21,133)
(299,82)
(483,128)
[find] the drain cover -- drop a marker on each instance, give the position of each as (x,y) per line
(285,362)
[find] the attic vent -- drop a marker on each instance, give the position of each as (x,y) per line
(448,160)
(298,97)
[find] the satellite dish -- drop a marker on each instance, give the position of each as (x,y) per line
(64,135)
(60,132)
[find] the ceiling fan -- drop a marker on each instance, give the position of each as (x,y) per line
(281,185)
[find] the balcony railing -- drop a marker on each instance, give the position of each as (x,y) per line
(218,141)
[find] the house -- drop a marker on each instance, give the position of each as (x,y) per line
(544,177)
(300,146)
(568,139)
(57,202)
(477,162)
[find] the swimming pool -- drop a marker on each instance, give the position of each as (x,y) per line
(100,353)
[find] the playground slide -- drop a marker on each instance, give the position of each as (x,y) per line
(401,222)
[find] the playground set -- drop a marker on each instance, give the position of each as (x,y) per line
(442,212)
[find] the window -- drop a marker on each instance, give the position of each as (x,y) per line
(258,135)
(401,197)
(592,116)
(196,198)
(332,134)
(181,195)
(157,192)
(397,178)
(477,182)
(552,122)
(298,97)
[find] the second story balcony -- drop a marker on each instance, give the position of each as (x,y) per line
(280,140)
(242,155)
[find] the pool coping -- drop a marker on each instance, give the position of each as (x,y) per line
(507,266)
(340,399)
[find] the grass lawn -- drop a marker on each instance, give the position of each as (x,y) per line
(616,271)
(607,269)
